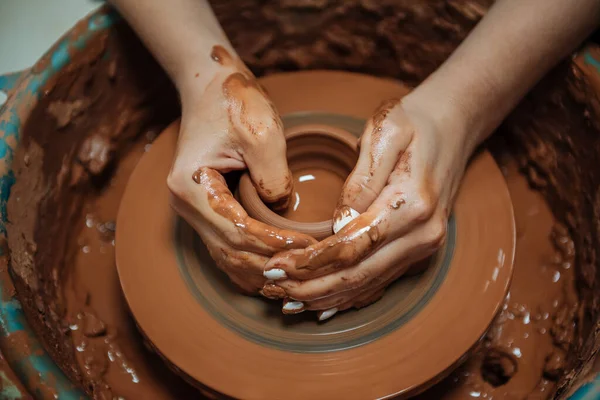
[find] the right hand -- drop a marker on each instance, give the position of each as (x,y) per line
(232,125)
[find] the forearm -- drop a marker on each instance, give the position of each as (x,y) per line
(514,45)
(180,34)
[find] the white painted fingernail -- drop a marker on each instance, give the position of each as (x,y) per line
(275,274)
(293,306)
(327,314)
(344,217)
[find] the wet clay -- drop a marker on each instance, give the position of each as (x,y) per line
(316,192)
(108,348)
(524,353)
(115,95)
(157,256)
(327,151)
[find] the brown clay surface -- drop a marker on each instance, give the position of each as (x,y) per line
(10,386)
(316,192)
(108,347)
(535,267)
(524,353)
(398,361)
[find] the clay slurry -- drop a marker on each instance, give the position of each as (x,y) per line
(316,192)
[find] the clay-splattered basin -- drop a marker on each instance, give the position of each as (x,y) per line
(37,373)
(33,371)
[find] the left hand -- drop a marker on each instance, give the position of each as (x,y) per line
(406,177)
(231,124)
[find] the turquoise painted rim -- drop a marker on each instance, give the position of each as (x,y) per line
(31,363)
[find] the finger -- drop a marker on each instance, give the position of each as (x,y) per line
(331,304)
(405,203)
(259,133)
(393,258)
(210,201)
(381,145)
(249,284)
(272,291)
(365,299)
(357,299)
(229,259)
(292,307)
(417,268)
(358,239)
(244,269)
(344,299)
(362,296)
(269,171)
(383,281)
(401,206)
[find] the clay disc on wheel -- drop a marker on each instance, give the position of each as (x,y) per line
(245,348)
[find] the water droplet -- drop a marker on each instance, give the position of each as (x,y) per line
(297,202)
(306,178)
(151,135)
(556,276)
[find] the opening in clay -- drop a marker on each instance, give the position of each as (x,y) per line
(316,192)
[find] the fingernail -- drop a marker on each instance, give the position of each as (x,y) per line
(323,315)
(273,291)
(275,274)
(293,307)
(343,217)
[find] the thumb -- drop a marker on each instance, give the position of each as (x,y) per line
(384,140)
(267,163)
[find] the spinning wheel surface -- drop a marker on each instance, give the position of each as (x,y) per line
(245,348)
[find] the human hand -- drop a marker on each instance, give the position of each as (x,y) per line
(231,125)
(394,206)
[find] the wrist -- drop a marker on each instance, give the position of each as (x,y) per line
(449,117)
(192,79)
(199,70)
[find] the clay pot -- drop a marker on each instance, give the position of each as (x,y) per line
(320,158)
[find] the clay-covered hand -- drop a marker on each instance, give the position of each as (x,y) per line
(393,212)
(232,125)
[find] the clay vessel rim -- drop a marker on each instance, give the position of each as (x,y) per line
(247,192)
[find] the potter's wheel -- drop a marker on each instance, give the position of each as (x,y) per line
(243,347)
